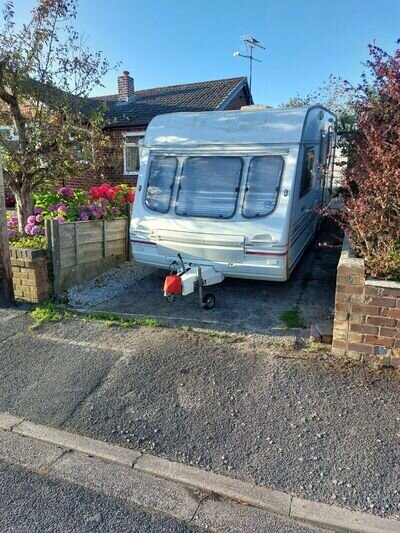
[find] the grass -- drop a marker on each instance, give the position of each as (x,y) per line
(212,333)
(50,312)
(312,346)
(291,318)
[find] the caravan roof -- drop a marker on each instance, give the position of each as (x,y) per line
(261,126)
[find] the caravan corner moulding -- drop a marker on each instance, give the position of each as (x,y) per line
(235,190)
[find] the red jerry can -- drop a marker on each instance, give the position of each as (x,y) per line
(173,285)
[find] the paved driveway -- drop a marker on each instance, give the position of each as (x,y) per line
(242,305)
(250,406)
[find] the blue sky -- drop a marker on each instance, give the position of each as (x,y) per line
(166,42)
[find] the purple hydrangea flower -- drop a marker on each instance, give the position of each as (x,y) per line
(28,229)
(39,218)
(62,208)
(12,233)
(66,191)
(95,210)
(84,216)
(31,219)
(36,230)
(115,210)
(52,208)
(13,221)
(38,210)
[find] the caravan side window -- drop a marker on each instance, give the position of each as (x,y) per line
(209,187)
(160,183)
(307,174)
(262,186)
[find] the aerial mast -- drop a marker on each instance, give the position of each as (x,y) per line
(250,43)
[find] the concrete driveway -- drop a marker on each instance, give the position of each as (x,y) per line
(242,305)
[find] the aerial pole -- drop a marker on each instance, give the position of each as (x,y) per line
(250,43)
(6,284)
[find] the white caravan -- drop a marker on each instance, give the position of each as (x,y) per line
(237,191)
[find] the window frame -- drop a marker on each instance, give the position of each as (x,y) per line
(140,135)
(239,185)
(177,163)
(306,191)
(277,191)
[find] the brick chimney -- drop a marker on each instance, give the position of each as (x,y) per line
(126,87)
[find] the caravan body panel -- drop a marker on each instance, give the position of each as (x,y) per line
(229,222)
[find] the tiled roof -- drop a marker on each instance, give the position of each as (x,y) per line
(146,104)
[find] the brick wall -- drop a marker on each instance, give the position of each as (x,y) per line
(30,277)
(367,314)
(114,174)
(238,101)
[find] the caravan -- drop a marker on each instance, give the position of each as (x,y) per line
(236,192)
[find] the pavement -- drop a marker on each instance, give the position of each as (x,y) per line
(242,305)
(257,408)
(191,496)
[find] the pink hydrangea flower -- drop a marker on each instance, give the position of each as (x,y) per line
(31,219)
(39,218)
(62,208)
(28,229)
(36,230)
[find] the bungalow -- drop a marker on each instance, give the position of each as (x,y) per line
(129,112)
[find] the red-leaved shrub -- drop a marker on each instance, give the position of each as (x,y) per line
(372,180)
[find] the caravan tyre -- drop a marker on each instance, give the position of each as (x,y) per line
(208,301)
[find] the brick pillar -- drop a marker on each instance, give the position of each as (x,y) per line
(30,277)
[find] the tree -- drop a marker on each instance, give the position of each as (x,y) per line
(371,203)
(46,74)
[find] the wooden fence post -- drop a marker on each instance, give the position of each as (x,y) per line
(55,245)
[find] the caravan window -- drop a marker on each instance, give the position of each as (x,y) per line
(209,187)
(160,183)
(262,186)
(307,174)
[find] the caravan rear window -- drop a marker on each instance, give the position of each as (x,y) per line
(262,186)
(209,187)
(160,183)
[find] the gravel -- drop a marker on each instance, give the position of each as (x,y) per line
(107,285)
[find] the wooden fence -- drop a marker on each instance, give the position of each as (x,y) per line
(79,251)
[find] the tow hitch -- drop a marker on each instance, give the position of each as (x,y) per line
(188,278)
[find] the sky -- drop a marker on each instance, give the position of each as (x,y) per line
(168,42)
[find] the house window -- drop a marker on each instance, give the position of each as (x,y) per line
(307,174)
(262,186)
(209,187)
(132,152)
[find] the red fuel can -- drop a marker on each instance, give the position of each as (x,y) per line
(173,285)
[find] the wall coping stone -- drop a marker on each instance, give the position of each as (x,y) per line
(27,254)
(385,284)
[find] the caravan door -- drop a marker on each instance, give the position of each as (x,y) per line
(307,196)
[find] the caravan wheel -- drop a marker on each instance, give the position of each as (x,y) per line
(208,301)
